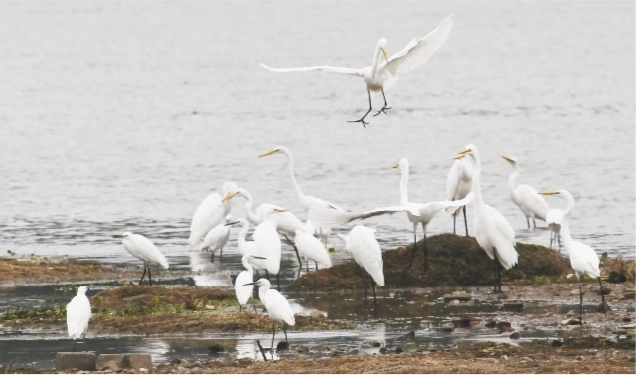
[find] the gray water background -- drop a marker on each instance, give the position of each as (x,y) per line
(123,116)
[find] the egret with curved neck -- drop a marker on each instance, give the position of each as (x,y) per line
(458,184)
(383,74)
(492,231)
(525,197)
(583,259)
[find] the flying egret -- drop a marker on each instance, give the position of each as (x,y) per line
(277,307)
(492,231)
(554,218)
(381,75)
(141,248)
(583,259)
(217,238)
(525,197)
(211,212)
(361,243)
(458,185)
(78,312)
(286,222)
(312,249)
(418,213)
(306,201)
(243,292)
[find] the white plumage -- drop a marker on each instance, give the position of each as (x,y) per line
(78,313)
(248,247)
(311,248)
(525,197)
(217,238)
(141,248)
(492,231)
(244,291)
(268,245)
(458,184)
(380,75)
(277,306)
(211,212)
(361,243)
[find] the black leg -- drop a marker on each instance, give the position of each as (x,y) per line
(425,253)
(149,275)
(74,345)
(534,222)
(307,265)
(295,249)
(364,123)
(497,274)
(454,220)
(212,257)
(602,296)
(528,221)
(273,334)
(258,342)
(581,304)
(385,105)
(143,274)
(414,248)
(551,235)
(316,265)
(285,330)
(375,302)
(300,268)
(240,307)
(365,291)
(254,306)
(465,221)
(221,256)
(267,274)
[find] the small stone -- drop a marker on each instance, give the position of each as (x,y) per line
(502,324)
(454,302)
(317,314)
(515,336)
(82,361)
(354,352)
(502,296)
(557,343)
(282,346)
(302,349)
(376,344)
(627,319)
(245,361)
(505,357)
(461,296)
(575,292)
(629,293)
(143,370)
(571,313)
(175,361)
(491,324)
(383,350)
(570,322)
(461,322)
(606,290)
(409,336)
(398,350)
(602,308)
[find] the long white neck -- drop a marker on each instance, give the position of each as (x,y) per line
(242,234)
(249,202)
(512,181)
(376,60)
(299,194)
(247,265)
(404,195)
(565,222)
(478,202)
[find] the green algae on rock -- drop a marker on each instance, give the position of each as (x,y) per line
(452,261)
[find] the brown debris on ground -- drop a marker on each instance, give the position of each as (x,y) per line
(452,261)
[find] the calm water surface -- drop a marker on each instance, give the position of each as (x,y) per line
(124,116)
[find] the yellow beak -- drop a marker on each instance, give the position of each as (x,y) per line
(280,210)
(385,55)
(461,154)
(508,159)
(395,166)
(548,193)
(267,153)
(229,196)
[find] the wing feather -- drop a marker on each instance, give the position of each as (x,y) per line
(330,69)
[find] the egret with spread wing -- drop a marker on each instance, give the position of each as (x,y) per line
(492,231)
(381,75)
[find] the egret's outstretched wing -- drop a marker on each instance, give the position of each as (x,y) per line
(331,218)
(331,69)
(417,52)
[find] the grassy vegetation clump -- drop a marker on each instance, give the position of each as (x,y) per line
(46,314)
(452,261)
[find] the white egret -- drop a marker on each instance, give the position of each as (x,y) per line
(306,201)
(361,243)
(525,197)
(418,213)
(286,222)
(492,231)
(458,184)
(277,307)
(381,75)
(211,212)
(78,312)
(141,248)
(217,238)
(268,243)
(554,218)
(583,259)
(312,249)
(244,291)
(248,247)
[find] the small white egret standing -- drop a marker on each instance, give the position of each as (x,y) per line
(306,201)
(286,222)
(492,231)
(418,213)
(277,307)
(217,238)
(381,75)
(141,248)
(78,312)
(361,243)
(244,291)
(554,218)
(583,259)
(211,212)
(312,249)
(458,184)
(525,197)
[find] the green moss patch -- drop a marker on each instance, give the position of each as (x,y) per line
(452,261)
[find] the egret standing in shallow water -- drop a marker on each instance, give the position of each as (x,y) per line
(492,231)
(381,75)
(277,307)
(458,184)
(361,243)
(312,249)
(525,197)
(141,248)
(78,312)
(211,212)
(243,290)
(583,259)
(217,238)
